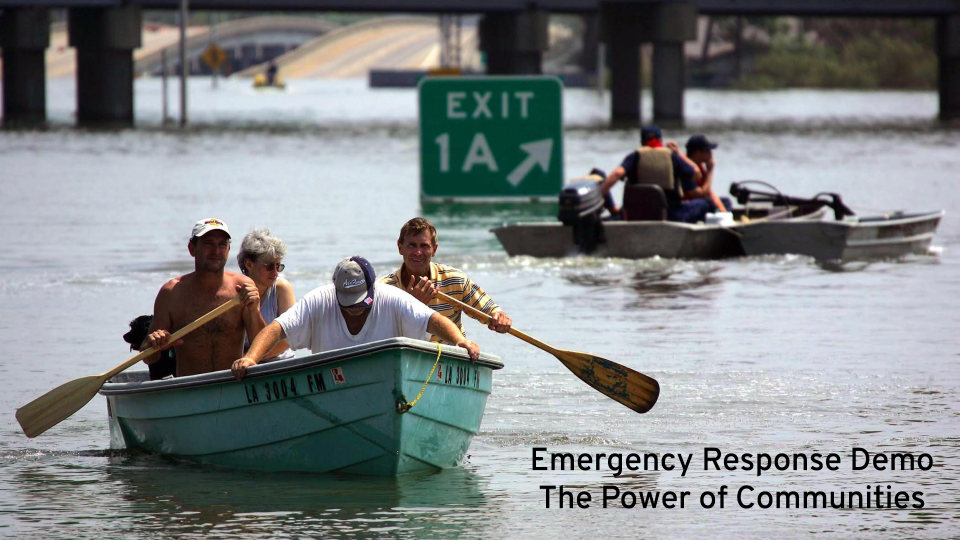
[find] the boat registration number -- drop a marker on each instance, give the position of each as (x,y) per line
(458,375)
(285,387)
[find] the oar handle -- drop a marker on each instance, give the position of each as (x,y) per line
(214,313)
(487,319)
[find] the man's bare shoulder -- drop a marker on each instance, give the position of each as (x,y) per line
(172,286)
(235,278)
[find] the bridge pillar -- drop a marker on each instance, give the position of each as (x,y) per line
(514,43)
(105,40)
(625,27)
(591,43)
(622,27)
(948,52)
(675,24)
(24,37)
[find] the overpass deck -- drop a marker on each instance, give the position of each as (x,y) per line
(833,8)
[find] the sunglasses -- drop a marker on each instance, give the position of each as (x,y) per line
(274,266)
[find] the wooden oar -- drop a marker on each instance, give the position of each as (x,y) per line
(58,404)
(620,383)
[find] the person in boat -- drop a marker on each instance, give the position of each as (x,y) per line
(421,277)
(353,310)
(271,74)
(665,165)
(213,346)
(700,151)
(260,259)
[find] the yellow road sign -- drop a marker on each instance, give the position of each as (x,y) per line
(214,56)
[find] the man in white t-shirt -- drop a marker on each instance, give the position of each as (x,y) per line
(352,310)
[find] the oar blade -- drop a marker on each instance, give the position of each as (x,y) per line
(620,383)
(56,405)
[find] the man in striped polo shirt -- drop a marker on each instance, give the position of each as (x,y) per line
(423,278)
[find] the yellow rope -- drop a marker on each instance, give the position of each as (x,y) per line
(402,405)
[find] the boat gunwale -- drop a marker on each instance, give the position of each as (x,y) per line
(904,219)
(815,216)
(295,364)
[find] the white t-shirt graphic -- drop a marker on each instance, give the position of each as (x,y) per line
(315,321)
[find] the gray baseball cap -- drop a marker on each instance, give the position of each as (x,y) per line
(353,279)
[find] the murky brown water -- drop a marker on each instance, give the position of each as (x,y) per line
(754,356)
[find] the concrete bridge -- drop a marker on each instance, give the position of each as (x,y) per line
(247,42)
(512,33)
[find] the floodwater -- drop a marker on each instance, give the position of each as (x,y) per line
(756,355)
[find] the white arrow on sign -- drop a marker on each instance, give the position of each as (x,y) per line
(538,153)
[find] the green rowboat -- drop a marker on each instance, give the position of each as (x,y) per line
(334,411)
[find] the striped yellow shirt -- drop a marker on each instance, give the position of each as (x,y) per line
(456,284)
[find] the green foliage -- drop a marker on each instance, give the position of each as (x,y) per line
(882,57)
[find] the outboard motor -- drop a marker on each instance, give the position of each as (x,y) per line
(581,204)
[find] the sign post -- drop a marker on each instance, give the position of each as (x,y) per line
(491,138)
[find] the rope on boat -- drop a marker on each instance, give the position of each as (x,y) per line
(402,405)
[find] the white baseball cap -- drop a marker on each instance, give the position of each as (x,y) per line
(206,225)
(353,279)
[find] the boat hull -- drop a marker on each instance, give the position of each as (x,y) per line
(866,239)
(335,411)
(638,239)
(624,239)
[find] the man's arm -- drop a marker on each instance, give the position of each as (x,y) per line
(696,169)
(708,186)
(702,192)
(708,169)
(423,289)
(250,300)
(500,322)
(705,191)
(158,335)
(443,328)
(475,296)
(265,340)
(614,177)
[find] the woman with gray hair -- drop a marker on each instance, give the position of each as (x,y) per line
(260,259)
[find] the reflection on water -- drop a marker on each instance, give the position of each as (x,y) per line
(664,286)
(149,495)
(655,280)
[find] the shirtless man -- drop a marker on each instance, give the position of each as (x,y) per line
(215,345)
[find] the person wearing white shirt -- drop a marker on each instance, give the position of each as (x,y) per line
(352,310)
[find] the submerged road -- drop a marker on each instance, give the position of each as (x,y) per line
(402,43)
(393,43)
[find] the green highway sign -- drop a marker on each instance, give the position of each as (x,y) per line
(491,137)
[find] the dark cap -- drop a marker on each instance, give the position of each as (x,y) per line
(700,142)
(650,132)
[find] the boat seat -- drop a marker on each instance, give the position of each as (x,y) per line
(644,202)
